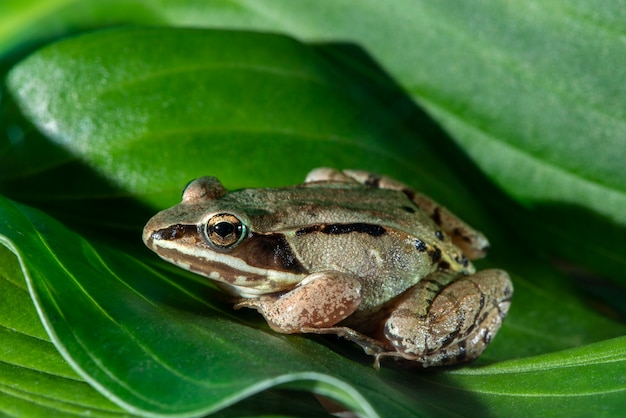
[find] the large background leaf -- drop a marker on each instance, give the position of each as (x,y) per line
(523,89)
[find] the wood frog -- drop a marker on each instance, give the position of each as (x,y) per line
(347,252)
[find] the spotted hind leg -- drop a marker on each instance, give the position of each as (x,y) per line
(445,320)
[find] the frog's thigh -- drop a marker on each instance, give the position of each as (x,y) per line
(442,322)
(319,301)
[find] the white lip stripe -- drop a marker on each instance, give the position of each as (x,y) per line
(230,261)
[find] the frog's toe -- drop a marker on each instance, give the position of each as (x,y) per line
(327,174)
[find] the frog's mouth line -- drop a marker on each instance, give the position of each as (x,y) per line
(230,268)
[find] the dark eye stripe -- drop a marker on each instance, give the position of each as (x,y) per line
(174,232)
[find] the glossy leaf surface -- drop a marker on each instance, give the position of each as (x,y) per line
(108,121)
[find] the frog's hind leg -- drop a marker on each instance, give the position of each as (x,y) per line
(472,242)
(444,321)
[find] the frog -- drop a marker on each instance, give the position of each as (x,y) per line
(349,253)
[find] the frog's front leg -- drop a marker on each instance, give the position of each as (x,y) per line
(320,301)
(444,320)
(472,242)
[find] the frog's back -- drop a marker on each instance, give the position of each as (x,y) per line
(284,209)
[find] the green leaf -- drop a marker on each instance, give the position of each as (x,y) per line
(34,379)
(230,97)
(37,381)
(529,91)
(153,338)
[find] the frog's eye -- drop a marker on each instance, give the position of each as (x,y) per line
(225,230)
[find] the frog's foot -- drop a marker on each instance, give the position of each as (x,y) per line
(320,301)
(441,323)
(370,345)
(472,242)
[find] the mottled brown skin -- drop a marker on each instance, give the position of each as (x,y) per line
(346,253)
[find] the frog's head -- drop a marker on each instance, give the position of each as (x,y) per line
(211,235)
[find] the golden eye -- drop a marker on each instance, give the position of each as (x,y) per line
(225,230)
